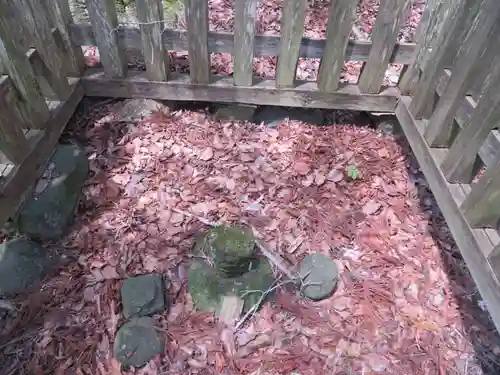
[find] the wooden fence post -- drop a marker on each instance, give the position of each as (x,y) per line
(292,29)
(340,19)
(104,21)
(197,29)
(244,23)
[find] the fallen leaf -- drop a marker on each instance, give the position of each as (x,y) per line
(301,167)
(207,154)
(371,208)
(335,175)
(227,338)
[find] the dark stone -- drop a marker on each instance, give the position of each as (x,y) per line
(235,112)
(47,214)
(320,275)
(273,116)
(137,342)
(143,295)
(23,263)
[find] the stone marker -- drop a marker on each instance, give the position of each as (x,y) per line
(272,116)
(143,295)
(23,263)
(321,273)
(47,214)
(235,112)
(137,342)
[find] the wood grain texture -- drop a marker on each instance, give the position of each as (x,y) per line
(479,46)
(459,163)
(222,90)
(14,186)
(292,29)
(481,208)
(473,243)
(150,12)
(390,18)
(16,64)
(340,20)
(104,20)
(265,45)
(244,38)
(197,36)
(61,18)
(13,143)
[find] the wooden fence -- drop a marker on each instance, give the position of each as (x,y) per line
(446,99)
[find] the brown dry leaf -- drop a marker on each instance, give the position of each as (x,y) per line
(335,175)
(227,338)
(207,154)
(301,167)
(371,208)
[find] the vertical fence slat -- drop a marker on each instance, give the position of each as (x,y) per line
(150,13)
(36,22)
(13,144)
(440,129)
(61,18)
(197,30)
(385,36)
(292,29)
(459,164)
(481,207)
(104,21)
(340,20)
(16,64)
(244,24)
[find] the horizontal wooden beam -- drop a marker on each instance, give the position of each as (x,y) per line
(305,95)
(265,45)
(474,244)
(19,179)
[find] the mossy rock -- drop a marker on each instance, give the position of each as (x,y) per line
(208,288)
(143,295)
(320,274)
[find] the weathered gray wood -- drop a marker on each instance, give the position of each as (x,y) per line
(42,144)
(61,18)
(104,21)
(17,66)
(292,29)
(475,52)
(445,25)
(197,36)
(244,25)
(305,95)
(265,45)
(13,143)
(43,74)
(389,20)
(340,20)
(473,243)
(149,13)
(482,206)
(459,163)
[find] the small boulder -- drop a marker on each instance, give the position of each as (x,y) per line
(137,342)
(273,116)
(131,110)
(143,295)
(47,214)
(235,112)
(23,263)
(319,275)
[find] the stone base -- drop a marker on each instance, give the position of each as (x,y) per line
(321,273)
(273,116)
(143,295)
(235,112)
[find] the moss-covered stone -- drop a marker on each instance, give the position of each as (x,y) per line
(235,112)
(143,295)
(319,274)
(207,287)
(137,342)
(273,116)
(47,214)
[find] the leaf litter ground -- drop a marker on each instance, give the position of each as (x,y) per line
(405,303)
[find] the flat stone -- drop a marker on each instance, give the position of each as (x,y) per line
(48,213)
(387,124)
(208,289)
(137,342)
(23,263)
(131,110)
(273,116)
(321,273)
(235,112)
(143,295)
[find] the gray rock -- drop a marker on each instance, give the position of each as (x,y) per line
(23,263)
(137,342)
(131,110)
(320,275)
(273,116)
(47,214)
(387,124)
(235,112)
(143,295)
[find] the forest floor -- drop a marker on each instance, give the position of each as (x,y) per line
(405,303)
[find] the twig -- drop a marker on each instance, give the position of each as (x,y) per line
(276,260)
(202,219)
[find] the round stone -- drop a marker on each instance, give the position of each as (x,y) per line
(319,275)
(137,342)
